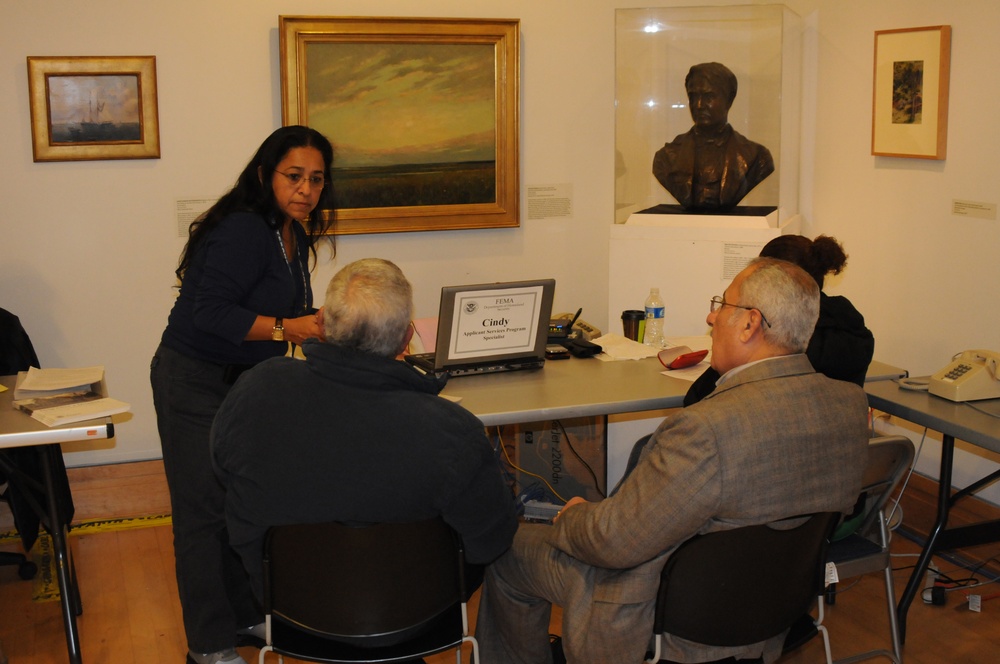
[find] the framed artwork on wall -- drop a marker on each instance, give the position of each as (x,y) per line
(910,97)
(422,114)
(85,108)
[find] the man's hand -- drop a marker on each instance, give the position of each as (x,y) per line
(575,500)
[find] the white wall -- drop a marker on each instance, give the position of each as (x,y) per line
(924,278)
(89,247)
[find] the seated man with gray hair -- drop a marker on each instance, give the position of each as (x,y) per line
(774,440)
(352,434)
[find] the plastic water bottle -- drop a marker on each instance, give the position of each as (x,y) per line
(654,319)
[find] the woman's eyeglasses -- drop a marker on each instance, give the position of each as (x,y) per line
(295,179)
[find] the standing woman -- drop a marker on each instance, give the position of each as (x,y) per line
(244,294)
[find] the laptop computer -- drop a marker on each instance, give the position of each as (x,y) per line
(487,328)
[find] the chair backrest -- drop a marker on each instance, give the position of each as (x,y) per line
(16,351)
(889,457)
(372,585)
(742,586)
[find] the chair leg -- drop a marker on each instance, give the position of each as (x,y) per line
(896,655)
(263,654)
(657,650)
(821,628)
(467,638)
(890,595)
(890,598)
(475,650)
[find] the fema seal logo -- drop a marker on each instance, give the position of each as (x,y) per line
(471,307)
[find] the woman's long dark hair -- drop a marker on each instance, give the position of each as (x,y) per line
(253,192)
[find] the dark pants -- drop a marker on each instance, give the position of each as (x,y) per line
(214,590)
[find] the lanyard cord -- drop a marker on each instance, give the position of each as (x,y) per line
(288,264)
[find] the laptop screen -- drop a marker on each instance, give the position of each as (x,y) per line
(488,322)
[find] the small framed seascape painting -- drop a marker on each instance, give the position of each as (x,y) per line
(85,108)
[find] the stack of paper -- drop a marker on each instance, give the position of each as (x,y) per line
(64,396)
(618,347)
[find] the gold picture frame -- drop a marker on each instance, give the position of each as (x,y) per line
(85,108)
(423,114)
(910,96)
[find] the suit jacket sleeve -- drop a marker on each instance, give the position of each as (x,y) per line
(677,487)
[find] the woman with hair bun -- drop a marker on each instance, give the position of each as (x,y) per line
(841,346)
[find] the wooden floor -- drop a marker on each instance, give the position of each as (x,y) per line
(131,612)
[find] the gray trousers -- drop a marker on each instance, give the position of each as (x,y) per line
(512,624)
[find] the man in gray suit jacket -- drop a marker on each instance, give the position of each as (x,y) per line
(774,440)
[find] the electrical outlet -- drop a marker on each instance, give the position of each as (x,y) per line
(929,579)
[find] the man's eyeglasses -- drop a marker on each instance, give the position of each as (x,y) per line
(295,179)
(717,303)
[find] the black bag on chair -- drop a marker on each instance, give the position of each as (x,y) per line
(21,467)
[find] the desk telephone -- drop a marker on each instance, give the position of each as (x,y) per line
(971,375)
(562,326)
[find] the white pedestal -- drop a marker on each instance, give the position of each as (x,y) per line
(690,258)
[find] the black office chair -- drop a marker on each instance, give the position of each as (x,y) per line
(16,354)
(26,569)
(377,593)
(864,547)
(742,586)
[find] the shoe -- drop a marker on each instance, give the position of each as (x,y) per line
(253,636)
(229,656)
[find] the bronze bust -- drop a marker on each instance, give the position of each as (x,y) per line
(712,166)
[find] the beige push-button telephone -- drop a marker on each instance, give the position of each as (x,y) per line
(971,375)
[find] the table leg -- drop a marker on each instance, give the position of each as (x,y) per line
(69,597)
(944,504)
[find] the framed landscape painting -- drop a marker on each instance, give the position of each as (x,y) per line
(422,114)
(93,108)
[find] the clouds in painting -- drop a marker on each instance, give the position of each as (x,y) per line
(390,103)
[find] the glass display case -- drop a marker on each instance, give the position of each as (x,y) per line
(654,50)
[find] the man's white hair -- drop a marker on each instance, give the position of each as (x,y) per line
(369,306)
(787,297)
